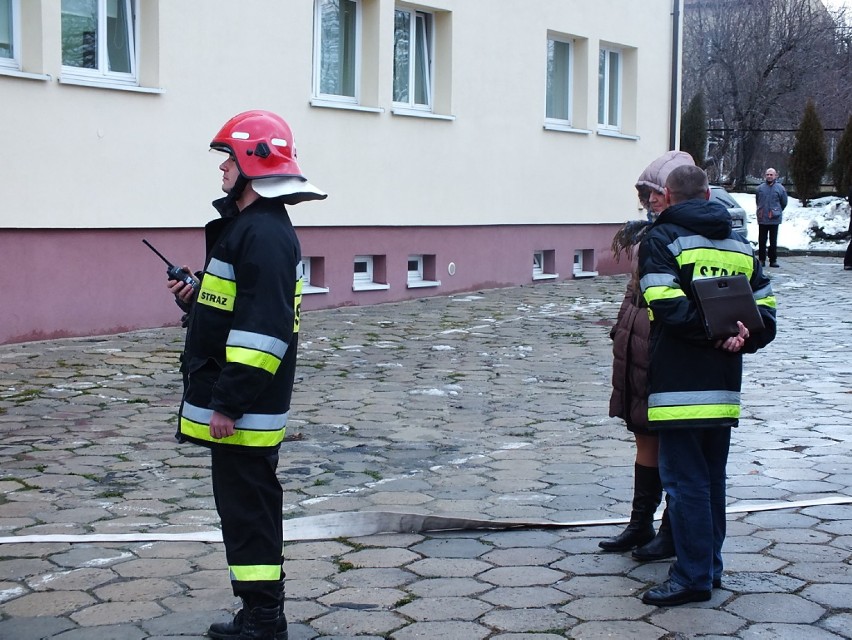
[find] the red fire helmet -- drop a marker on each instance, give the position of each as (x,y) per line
(261,143)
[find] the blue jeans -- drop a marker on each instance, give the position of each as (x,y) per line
(692,468)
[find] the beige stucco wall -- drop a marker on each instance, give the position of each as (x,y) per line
(84,157)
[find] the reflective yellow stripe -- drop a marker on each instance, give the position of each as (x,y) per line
(768,301)
(241,437)
(253,358)
(297,305)
(217,292)
(715,262)
(694,412)
(253,572)
(662,293)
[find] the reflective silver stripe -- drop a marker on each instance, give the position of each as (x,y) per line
(685,243)
(684,398)
(257,341)
(249,421)
(221,269)
(658,280)
(196,414)
(765,292)
(263,421)
(300,270)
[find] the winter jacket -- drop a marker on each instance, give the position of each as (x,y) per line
(630,340)
(242,335)
(771,201)
(691,382)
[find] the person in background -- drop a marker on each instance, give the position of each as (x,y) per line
(771,200)
(629,399)
(695,382)
(847,259)
(239,360)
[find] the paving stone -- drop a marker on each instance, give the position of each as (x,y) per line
(775,607)
(840,624)
(787,632)
(349,622)
(527,621)
(444,608)
(443,630)
(695,620)
(608,629)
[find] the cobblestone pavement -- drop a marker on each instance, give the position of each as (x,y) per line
(490,405)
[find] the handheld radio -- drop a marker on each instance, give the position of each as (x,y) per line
(174,273)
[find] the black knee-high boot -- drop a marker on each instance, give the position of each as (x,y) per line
(647,494)
(662,546)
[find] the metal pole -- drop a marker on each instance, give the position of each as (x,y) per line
(674,114)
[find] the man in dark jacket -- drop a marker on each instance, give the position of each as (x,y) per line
(694,382)
(240,357)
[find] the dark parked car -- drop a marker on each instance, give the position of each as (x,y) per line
(738,214)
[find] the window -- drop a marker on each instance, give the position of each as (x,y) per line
(415,268)
(337,49)
(544,265)
(584,260)
(9,30)
(412,59)
(99,40)
(369,273)
(609,89)
(421,271)
(313,275)
(559,58)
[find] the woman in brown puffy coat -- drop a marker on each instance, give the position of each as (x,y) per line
(629,400)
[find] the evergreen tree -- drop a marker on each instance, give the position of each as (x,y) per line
(842,167)
(809,159)
(693,129)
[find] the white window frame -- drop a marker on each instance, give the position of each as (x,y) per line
(307,287)
(416,274)
(416,277)
(102,75)
(363,281)
(581,257)
(428,37)
(335,98)
(14,62)
(539,262)
(605,81)
(569,83)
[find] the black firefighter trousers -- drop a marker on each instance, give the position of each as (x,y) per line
(249,500)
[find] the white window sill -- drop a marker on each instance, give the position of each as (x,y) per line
(308,289)
(369,286)
(545,276)
(610,133)
(106,84)
(419,113)
(417,284)
(564,127)
(351,106)
(17,73)
(585,274)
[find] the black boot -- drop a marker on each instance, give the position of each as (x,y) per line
(647,493)
(260,623)
(232,630)
(662,546)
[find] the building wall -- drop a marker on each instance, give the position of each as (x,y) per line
(88,171)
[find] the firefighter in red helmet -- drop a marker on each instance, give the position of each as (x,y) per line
(239,359)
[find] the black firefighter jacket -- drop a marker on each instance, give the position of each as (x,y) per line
(692,383)
(242,332)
